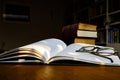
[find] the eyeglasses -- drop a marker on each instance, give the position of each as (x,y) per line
(99,51)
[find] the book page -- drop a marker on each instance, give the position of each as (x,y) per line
(70,54)
(48,47)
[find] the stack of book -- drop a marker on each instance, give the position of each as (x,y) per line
(86,33)
(80,33)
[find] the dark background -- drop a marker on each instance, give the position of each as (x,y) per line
(46,19)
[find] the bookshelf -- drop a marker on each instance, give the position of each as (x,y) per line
(103,13)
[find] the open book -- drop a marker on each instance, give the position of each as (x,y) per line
(50,51)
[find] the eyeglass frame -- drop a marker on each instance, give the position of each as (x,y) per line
(95,50)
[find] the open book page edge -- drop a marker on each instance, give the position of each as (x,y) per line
(21,58)
(23,61)
(65,58)
(45,48)
(48,47)
(70,51)
(20,51)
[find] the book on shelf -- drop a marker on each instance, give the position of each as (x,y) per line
(85,40)
(113,35)
(55,51)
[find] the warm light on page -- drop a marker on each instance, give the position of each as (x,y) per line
(98,60)
(72,53)
(60,47)
(21,60)
(75,59)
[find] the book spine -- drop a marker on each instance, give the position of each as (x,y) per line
(84,40)
(84,26)
(69,33)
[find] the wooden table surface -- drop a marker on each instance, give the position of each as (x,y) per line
(58,72)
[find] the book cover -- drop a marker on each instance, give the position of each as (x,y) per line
(85,40)
(72,31)
(85,26)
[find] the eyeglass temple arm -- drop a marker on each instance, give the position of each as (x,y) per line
(102,56)
(94,53)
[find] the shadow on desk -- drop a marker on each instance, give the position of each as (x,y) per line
(56,63)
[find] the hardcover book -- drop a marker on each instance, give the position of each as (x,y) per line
(79,30)
(85,40)
(87,34)
(85,26)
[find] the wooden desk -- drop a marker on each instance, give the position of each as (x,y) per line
(55,72)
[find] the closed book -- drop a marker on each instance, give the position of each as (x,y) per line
(84,40)
(69,32)
(85,33)
(85,26)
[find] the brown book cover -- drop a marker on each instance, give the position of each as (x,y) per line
(84,40)
(69,32)
(85,26)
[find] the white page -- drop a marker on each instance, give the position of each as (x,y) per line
(48,47)
(70,51)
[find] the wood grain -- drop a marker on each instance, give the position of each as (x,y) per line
(58,72)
